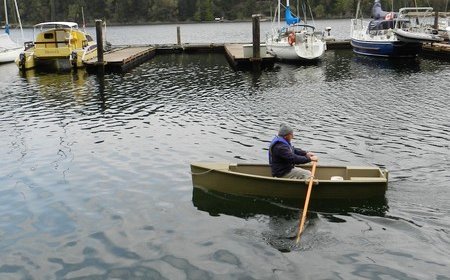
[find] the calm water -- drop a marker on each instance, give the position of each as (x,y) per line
(95,180)
(215,32)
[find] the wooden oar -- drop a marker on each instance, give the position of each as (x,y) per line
(305,208)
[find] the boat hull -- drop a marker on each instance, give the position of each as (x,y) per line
(10,55)
(297,52)
(255,180)
(386,48)
(9,50)
(416,37)
(29,60)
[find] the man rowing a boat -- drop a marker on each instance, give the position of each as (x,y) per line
(283,156)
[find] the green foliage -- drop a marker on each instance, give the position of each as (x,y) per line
(146,11)
(203,10)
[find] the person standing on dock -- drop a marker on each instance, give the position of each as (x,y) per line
(283,156)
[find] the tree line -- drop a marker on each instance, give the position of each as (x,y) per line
(153,11)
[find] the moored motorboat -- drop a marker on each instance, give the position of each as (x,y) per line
(418,29)
(57,45)
(330,182)
(417,36)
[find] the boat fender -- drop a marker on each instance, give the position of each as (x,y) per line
(291,38)
(22,59)
(74,57)
(389,16)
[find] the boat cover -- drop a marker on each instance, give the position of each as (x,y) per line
(377,11)
(290,19)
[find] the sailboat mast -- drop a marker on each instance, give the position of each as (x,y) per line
(6,13)
(84,22)
(279,13)
(357,9)
(20,21)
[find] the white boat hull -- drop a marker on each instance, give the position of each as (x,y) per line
(306,48)
(414,37)
(7,56)
(9,50)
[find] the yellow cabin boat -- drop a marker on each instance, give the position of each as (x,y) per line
(59,45)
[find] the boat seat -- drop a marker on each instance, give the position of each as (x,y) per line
(363,178)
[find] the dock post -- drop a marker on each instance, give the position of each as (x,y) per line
(256,59)
(436,20)
(99,34)
(178,36)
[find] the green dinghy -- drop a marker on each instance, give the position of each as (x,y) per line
(330,182)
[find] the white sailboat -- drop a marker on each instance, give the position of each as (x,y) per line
(295,40)
(10,50)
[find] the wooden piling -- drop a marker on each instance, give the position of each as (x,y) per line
(436,20)
(256,36)
(178,36)
(99,34)
(256,58)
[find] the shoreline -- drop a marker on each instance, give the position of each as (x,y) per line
(264,19)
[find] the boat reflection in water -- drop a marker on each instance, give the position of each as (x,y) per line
(69,86)
(282,216)
(216,203)
(400,65)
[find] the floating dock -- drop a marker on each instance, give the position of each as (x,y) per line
(190,48)
(240,56)
(122,58)
(441,50)
(338,44)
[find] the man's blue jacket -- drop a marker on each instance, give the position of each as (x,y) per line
(283,156)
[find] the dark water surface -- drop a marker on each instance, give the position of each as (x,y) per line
(95,180)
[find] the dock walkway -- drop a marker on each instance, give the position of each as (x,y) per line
(240,56)
(123,58)
(440,50)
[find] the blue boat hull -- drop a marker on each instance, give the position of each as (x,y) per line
(386,49)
